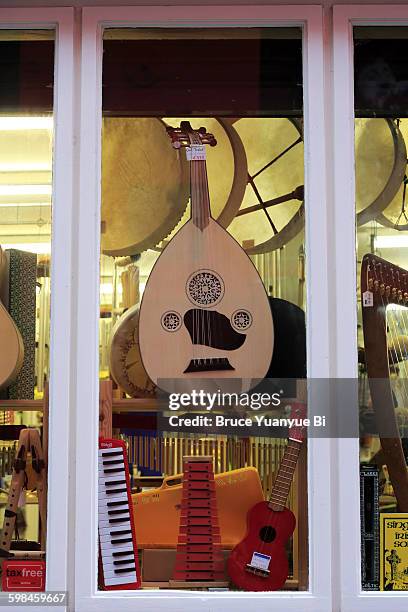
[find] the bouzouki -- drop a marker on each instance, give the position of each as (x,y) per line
(11,342)
(204,312)
(259,562)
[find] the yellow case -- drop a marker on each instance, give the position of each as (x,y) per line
(393,551)
(157,512)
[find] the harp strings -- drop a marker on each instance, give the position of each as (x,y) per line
(395,322)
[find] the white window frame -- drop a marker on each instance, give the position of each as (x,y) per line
(62,21)
(345,296)
(87,598)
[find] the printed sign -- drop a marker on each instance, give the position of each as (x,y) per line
(196,153)
(393,551)
(368,299)
(260,561)
(23,575)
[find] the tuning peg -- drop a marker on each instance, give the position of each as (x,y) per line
(202,130)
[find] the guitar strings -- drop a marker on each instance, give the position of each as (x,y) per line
(202,204)
(195,139)
(208,209)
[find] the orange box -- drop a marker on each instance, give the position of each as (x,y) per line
(157,511)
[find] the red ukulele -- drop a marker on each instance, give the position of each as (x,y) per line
(259,562)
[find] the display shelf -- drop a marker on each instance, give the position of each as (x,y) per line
(22,405)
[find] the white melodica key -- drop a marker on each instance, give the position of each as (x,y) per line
(117,551)
(107,521)
(114,532)
(120,579)
(112,502)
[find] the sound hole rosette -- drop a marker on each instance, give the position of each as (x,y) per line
(205,288)
(241,320)
(171,321)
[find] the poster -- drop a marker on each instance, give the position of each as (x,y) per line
(394,551)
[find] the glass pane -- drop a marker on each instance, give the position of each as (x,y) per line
(26,149)
(202,278)
(382,260)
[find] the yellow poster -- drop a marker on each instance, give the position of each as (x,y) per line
(394,551)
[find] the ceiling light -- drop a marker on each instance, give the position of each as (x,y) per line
(25,123)
(11,190)
(24,204)
(41,248)
(28,167)
(391,242)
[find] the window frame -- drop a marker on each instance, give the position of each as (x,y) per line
(87,291)
(62,21)
(344,296)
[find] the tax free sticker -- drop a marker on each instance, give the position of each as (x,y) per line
(23,575)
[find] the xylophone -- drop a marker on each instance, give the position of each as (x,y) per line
(199,558)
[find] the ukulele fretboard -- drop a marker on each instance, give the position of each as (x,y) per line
(281,487)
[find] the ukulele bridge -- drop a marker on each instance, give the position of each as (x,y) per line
(262,573)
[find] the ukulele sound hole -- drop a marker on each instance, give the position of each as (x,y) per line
(267,534)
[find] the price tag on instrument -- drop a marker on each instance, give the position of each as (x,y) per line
(260,561)
(196,153)
(368,299)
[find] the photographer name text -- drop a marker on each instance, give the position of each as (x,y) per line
(257,420)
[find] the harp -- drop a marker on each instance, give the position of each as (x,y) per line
(384,293)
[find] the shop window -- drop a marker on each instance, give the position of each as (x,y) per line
(202,278)
(26,154)
(381,132)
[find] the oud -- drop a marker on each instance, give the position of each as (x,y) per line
(259,562)
(204,311)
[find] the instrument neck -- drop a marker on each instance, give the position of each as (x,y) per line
(281,487)
(200,197)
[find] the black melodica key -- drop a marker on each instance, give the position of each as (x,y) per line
(112,483)
(114,491)
(124,562)
(124,553)
(120,532)
(114,454)
(112,471)
(121,541)
(113,512)
(116,503)
(118,520)
(125,570)
(113,462)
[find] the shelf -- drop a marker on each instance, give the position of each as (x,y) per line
(22,405)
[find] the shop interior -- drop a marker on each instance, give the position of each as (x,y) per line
(255,177)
